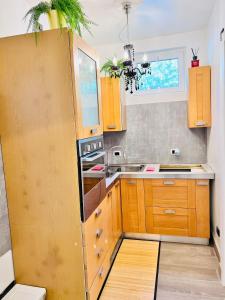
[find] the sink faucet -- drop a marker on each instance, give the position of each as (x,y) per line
(113,148)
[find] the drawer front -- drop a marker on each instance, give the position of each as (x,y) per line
(100,278)
(170,196)
(98,238)
(169,182)
(171,221)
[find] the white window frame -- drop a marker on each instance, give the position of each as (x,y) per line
(175,53)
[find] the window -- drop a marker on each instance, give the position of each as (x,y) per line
(167,71)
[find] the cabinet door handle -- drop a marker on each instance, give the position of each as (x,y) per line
(168,182)
(112,126)
(99,252)
(101,272)
(99,233)
(202,183)
(117,184)
(109,194)
(93,131)
(170,211)
(131,182)
(98,212)
(200,123)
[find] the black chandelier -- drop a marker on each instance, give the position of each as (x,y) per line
(129,70)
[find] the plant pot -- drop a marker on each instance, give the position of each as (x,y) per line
(56,20)
(195,63)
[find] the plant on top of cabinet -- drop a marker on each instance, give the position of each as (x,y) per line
(111,66)
(61,13)
(199,103)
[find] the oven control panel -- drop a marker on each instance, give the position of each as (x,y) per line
(90,145)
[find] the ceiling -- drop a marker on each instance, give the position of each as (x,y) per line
(149,18)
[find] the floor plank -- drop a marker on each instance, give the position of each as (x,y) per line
(188,272)
(134,272)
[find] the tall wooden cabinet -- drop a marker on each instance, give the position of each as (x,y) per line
(113,104)
(199,103)
(116,212)
(38,137)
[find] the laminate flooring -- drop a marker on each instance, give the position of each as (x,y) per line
(188,272)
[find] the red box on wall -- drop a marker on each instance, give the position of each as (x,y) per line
(195,63)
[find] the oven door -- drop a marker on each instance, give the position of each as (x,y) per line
(92,182)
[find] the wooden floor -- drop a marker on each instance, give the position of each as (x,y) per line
(188,272)
(133,273)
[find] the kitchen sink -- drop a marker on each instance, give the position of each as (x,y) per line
(124,168)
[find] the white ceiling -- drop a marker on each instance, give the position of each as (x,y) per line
(149,18)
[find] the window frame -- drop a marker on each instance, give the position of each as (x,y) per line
(165,54)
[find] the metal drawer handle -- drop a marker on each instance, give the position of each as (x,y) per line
(131,182)
(99,252)
(93,130)
(169,182)
(101,272)
(113,126)
(202,183)
(200,123)
(99,233)
(98,212)
(169,211)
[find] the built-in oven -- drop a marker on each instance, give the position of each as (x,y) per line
(91,166)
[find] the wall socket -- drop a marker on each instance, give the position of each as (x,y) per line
(117,153)
(175,152)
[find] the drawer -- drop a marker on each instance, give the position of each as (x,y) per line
(97,238)
(169,182)
(171,221)
(165,196)
(100,278)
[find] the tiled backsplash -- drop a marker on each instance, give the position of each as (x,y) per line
(155,128)
(5,244)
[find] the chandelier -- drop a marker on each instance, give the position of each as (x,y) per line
(131,72)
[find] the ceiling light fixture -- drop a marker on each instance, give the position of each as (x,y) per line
(130,71)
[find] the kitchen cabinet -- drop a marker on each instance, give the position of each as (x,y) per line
(85,63)
(113,104)
(38,139)
(177,207)
(133,208)
(199,103)
(116,212)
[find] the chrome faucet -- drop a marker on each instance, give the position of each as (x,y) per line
(113,148)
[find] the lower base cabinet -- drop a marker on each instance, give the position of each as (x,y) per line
(179,207)
(101,233)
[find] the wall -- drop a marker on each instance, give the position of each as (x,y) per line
(157,121)
(4,222)
(216,135)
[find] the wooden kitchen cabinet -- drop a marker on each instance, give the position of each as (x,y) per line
(116,212)
(177,207)
(199,103)
(85,64)
(113,104)
(133,208)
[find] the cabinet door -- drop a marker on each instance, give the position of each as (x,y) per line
(87,90)
(116,212)
(199,106)
(114,118)
(133,208)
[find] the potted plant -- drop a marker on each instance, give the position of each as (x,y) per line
(112,67)
(61,13)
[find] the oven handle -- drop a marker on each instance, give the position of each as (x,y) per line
(92,158)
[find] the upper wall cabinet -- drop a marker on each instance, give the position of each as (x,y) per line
(199,106)
(87,90)
(113,104)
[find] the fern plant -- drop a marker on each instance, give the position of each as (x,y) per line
(70,10)
(112,69)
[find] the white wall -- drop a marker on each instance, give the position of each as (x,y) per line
(188,40)
(216,135)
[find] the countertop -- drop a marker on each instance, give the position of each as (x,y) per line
(205,172)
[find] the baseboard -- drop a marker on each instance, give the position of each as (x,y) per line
(168,238)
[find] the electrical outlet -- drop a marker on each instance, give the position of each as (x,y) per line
(175,152)
(117,153)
